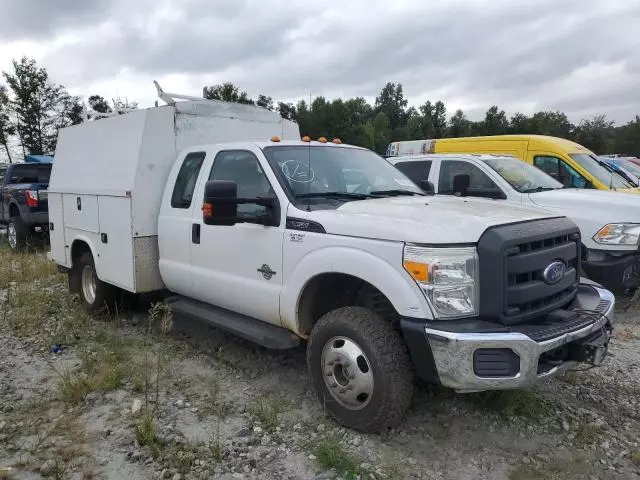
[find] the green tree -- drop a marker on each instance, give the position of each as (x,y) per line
(459,125)
(227,92)
(265,102)
(99,104)
(495,122)
(70,111)
(627,138)
(392,103)
(7,129)
(287,111)
(36,105)
(596,134)
(555,124)
(520,123)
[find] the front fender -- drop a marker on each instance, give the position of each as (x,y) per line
(391,280)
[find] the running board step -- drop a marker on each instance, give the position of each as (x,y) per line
(265,334)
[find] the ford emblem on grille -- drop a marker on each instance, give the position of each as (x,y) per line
(554,272)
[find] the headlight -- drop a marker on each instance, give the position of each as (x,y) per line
(618,234)
(447,276)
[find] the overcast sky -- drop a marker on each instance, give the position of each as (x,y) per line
(578,56)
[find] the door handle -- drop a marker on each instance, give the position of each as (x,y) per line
(195,233)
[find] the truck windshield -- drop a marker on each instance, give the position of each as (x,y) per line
(337,172)
(602,174)
(522,176)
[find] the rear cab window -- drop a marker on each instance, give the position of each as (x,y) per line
(416,170)
(186,180)
(25,173)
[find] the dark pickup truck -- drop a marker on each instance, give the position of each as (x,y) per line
(24,207)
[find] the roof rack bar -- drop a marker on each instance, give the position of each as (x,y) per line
(170,98)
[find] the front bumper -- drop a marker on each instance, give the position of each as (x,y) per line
(615,272)
(496,357)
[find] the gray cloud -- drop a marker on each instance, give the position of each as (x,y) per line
(26,19)
(482,52)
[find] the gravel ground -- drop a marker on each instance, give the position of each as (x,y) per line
(224,408)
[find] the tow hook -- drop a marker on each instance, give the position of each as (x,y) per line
(593,349)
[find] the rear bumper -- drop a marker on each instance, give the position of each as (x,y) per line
(505,358)
(36,219)
(615,272)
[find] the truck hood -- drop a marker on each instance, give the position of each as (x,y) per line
(610,206)
(428,219)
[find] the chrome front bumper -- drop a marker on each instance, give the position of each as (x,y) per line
(453,353)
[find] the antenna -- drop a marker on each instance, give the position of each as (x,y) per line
(309,162)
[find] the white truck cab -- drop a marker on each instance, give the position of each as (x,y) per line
(282,241)
(609,221)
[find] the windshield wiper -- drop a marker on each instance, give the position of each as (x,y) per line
(395,192)
(539,189)
(347,195)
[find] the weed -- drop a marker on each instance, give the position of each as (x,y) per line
(215,444)
(146,434)
(266,410)
(588,433)
(330,454)
(213,404)
(509,403)
(74,387)
(635,456)
(181,457)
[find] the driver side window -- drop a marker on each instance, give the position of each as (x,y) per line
(243,168)
(560,171)
(465,179)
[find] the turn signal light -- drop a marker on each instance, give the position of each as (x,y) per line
(419,271)
(207,210)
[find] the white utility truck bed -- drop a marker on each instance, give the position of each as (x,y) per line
(114,199)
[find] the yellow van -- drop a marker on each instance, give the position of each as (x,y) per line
(568,162)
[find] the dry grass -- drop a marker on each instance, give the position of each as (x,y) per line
(23,267)
(588,433)
(266,410)
(509,403)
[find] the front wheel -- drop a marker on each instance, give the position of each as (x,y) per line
(360,368)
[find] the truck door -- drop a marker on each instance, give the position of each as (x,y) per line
(174,225)
(238,267)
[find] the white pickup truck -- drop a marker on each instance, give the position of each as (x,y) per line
(609,221)
(271,239)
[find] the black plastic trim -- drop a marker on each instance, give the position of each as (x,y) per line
(495,363)
(508,252)
(419,348)
(304,225)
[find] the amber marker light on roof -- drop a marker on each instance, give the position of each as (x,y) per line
(322,140)
(306,138)
(275,138)
(337,141)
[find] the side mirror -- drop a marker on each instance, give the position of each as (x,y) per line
(221,202)
(427,187)
(461,183)
(220,205)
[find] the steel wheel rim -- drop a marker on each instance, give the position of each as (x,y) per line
(347,373)
(11,235)
(89,284)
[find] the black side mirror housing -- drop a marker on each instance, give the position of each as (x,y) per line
(461,183)
(221,202)
(220,205)
(427,187)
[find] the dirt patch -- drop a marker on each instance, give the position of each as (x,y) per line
(126,399)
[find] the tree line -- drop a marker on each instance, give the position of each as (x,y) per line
(33,108)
